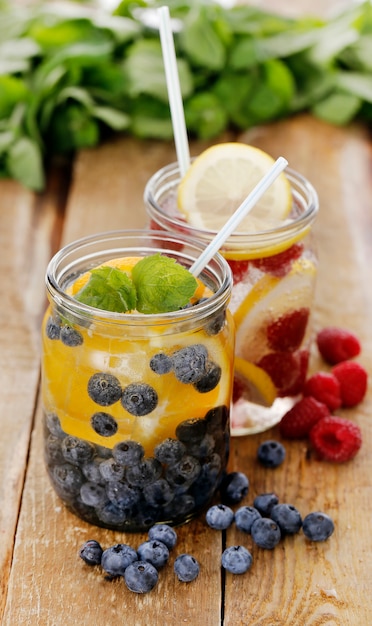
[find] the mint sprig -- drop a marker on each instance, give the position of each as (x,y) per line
(158,285)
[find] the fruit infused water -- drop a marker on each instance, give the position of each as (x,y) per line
(274,267)
(137,378)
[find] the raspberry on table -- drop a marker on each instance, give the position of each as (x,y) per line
(324,387)
(298,421)
(336,439)
(337,344)
(353,381)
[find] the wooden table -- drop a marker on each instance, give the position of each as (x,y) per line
(43,581)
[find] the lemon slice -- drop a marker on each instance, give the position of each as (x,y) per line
(221,178)
(270,298)
(258,386)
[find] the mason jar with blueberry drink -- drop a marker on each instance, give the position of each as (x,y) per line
(136,378)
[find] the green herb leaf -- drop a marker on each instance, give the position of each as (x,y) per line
(109,289)
(162,284)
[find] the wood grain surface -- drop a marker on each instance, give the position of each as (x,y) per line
(43,582)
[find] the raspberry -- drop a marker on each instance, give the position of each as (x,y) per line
(286,333)
(325,388)
(279,264)
(337,344)
(300,419)
(282,367)
(239,269)
(336,439)
(353,382)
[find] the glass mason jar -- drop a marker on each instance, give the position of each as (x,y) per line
(136,407)
(274,274)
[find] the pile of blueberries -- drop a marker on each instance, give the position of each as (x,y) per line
(122,489)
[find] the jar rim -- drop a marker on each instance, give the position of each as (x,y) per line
(61,271)
(237,240)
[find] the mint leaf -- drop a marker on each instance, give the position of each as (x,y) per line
(109,289)
(162,284)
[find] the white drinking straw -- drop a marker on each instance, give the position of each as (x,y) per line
(174,90)
(245,207)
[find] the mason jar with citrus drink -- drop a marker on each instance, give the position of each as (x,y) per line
(137,373)
(274,267)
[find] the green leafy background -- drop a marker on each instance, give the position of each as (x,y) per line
(69,77)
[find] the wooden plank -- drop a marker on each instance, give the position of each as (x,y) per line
(301,582)
(26,226)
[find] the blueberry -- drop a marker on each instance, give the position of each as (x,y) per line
(318,526)
(164,533)
(216,324)
(121,494)
(111,515)
(91,470)
(210,379)
(77,451)
(161,363)
(191,431)
(184,472)
(158,493)
(234,487)
(91,552)
(219,516)
(53,327)
(128,452)
(204,448)
(186,568)
(154,552)
(271,453)
(287,517)
(70,336)
(264,502)
(104,388)
(104,424)
(53,450)
(180,506)
(53,424)
(93,494)
(139,399)
(141,576)
(245,516)
(145,473)
(67,479)
(189,363)
(217,419)
(265,533)
(147,515)
(236,559)
(169,451)
(116,559)
(111,470)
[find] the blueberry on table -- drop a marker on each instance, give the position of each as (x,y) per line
(245,516)
(104,424)
(265,533)
(116,559)
(264,502)
(236,559)
(154,552)
(164,533)
(91,552)
(287,517)
(139,399)
(271,453)
(318,526)
(104,388)
(141,576)
(234,487)
(186,568)
(219,516)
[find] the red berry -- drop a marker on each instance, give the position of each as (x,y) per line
(239,269)
(282,367)
(337,344)
(279,264)
(336,439)
(325,388)
(286,333)
(300,419)
(353,382)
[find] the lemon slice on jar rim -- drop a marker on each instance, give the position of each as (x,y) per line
(218,181)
